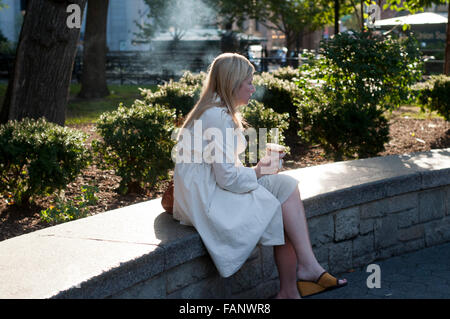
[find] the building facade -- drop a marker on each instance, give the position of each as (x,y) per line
(122,15)
(11,19)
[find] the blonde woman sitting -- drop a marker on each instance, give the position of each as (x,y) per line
(234,207)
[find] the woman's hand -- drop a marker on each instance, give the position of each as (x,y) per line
(268,165)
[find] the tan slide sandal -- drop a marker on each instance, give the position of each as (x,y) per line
(324,283)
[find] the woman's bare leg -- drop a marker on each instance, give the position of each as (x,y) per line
(286,261)
(296,229)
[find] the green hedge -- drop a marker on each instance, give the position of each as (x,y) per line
(434,95)
(276,93)
(343,130)
(180,95)
(38,158)
(361,76)
(287,73)
(137,144)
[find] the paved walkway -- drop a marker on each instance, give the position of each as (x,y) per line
(423,274)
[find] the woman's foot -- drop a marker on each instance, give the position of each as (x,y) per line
(313,273)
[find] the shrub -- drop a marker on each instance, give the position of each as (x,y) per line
(38,157)
(193,79)
(137,144)
(362,75)
(287,73)
(181,95)
(435,95)
(259,117)
(366,69)
(276,93)
(343,130)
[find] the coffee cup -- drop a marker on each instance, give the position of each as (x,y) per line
(275,150)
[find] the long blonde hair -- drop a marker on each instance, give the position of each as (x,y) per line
(225,75)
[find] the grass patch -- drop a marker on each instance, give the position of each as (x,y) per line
(87,111)
(84,112)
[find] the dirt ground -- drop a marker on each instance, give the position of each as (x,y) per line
(407,135)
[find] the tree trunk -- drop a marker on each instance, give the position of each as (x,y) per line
(39,85)
(93,80)
(336,16)
(447,46)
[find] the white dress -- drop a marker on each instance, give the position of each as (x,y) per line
(230,210)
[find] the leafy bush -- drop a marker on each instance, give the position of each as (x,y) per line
(38,157)
(435,95)
(342,129)
(193,79)
(276,93)
(137,144)
(287,73)
(367,69)
(361,76)
(259,117)
(181,95)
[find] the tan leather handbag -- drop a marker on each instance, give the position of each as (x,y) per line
(167,199)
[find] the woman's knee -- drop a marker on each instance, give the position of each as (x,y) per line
(293,198)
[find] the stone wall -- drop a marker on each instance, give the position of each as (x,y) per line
(358,212)
(342,240)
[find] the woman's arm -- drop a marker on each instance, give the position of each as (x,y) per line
(235,179)
(228,175)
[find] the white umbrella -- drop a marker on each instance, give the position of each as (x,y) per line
(413,19)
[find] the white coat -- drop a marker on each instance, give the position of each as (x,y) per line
(223,201)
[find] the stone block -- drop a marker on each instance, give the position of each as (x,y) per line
(435,178)
(181,251)
(431,205)
(403,202)
(403,184)
(363,260)
(269,268)
(153,288)
(437,232)
(248,276)
(340,259)
(387,252)
(408,217)
(346,223)
(411,233)
(375,209)
(385,232)
(321,230)
(366,226)
(363,245)
(189,272)
(322,254)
